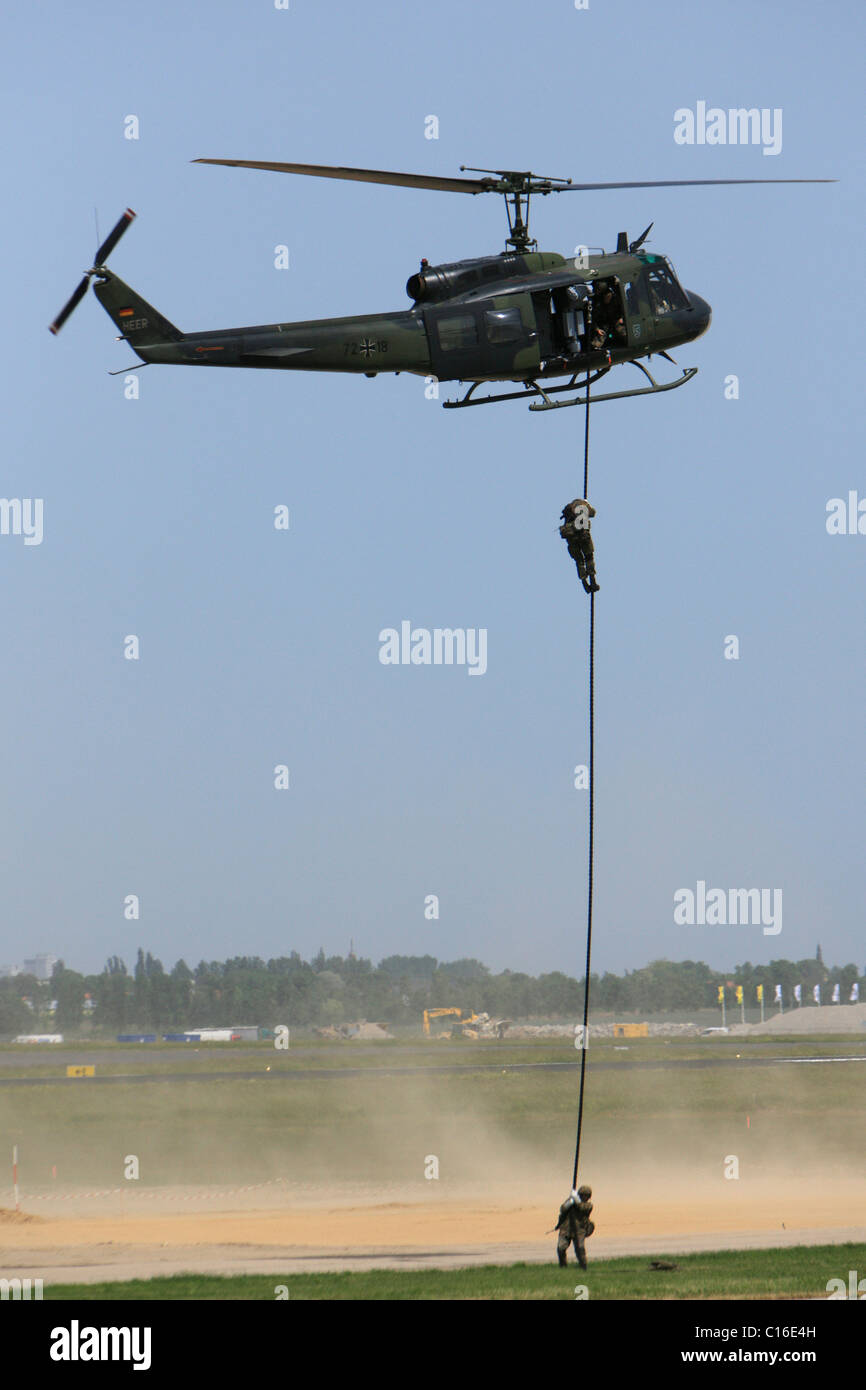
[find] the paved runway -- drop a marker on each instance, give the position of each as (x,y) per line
(449,1069)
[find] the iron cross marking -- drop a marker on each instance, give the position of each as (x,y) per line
(367,347)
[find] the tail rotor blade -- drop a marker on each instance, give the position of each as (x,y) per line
(113,237)
(102,255)
(71,303)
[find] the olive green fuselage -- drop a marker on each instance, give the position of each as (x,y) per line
(366,343)
(511,317)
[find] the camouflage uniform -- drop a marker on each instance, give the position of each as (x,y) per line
(574,1226)
(575,532)
(607,319)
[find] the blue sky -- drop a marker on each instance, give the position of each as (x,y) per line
(261,648)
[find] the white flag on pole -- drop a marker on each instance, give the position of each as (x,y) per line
(836,993)
(777,998)
(855,993)
(816,993)
(798,993)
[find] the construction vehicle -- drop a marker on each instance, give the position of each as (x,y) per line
(471,1026)
(437,1013)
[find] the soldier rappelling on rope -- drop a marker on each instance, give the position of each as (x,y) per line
(574,1226)
(574,530)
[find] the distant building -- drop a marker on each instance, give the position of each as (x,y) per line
(242,1033)
(40,966)
(7,971)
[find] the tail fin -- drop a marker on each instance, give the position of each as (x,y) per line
(140,324)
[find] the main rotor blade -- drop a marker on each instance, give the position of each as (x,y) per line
(677,183)
(454,185)
(113,237)
(75,298)
(328,171)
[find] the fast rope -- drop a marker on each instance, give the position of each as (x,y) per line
(585,1035)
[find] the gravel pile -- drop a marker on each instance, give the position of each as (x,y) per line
(812,1018)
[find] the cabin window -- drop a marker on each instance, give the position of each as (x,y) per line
(503,325)
(457,331)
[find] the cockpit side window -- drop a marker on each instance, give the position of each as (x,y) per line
(665,292)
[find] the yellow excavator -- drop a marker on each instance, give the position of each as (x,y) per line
(463,1027)
(440,1013)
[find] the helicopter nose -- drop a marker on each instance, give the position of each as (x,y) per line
(703,311)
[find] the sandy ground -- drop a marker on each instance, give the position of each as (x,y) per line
(312,1231)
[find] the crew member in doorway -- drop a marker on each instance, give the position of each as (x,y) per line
(607,320)
(574,530)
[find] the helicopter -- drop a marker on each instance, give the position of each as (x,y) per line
(522,316)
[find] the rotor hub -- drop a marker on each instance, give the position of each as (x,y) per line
(517,189)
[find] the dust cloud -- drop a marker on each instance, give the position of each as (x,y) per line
(446,1166)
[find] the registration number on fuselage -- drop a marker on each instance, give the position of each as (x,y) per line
(366,348)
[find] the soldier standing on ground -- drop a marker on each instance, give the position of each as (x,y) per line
(574,1226)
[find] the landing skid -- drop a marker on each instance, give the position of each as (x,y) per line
(651,390)
(533,388)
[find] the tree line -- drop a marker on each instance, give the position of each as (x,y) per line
(336,989)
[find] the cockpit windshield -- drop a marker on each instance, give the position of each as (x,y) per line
(666,294)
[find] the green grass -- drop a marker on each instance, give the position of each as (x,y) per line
(798,1272)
